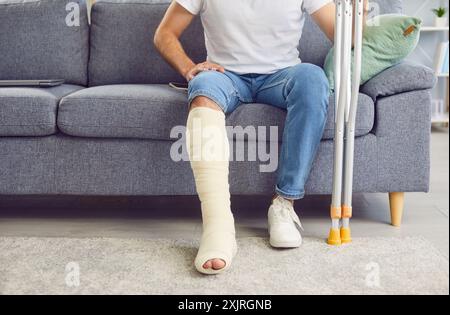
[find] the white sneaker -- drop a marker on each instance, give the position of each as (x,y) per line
(284,225)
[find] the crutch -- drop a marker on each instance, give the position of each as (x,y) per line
(346,93)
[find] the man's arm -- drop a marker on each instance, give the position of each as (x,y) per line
(326,18)
(167,42)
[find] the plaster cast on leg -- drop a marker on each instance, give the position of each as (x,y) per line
(209,152)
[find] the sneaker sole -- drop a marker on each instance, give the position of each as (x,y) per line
(286,245)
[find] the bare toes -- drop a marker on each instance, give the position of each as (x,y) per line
(208,265)
(218,264)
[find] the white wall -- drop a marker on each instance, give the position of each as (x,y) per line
(426,51)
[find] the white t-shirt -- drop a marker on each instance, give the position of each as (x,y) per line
(253,36)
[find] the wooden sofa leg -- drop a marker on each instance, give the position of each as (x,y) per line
(397,204)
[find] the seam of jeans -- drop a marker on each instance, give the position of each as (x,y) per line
(285,88)
(315,152)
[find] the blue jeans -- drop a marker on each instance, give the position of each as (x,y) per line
(302,90)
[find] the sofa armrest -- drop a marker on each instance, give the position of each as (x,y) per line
(403,128)
(402,78)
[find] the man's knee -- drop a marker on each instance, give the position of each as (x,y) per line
(309,79)
(209,89)
(311,75)
(203,101)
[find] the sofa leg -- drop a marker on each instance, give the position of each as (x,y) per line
(397,204)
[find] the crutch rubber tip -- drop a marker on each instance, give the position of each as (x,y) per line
(335,238)
(346,235)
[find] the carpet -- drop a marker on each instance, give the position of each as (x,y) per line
(131,266)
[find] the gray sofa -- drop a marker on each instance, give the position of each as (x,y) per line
(107,130)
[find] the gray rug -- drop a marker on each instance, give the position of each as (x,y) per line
(128,266)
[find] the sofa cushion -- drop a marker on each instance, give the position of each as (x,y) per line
(402,78)
(30,111)
(151,111)
(122,49)
(44,39)
(123,111)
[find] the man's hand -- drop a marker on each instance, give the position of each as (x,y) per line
(204,66)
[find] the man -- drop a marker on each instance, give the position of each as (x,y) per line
(252,57)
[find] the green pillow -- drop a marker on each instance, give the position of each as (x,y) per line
(387,40)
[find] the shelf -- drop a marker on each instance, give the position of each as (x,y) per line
(434,29)
(442,119)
